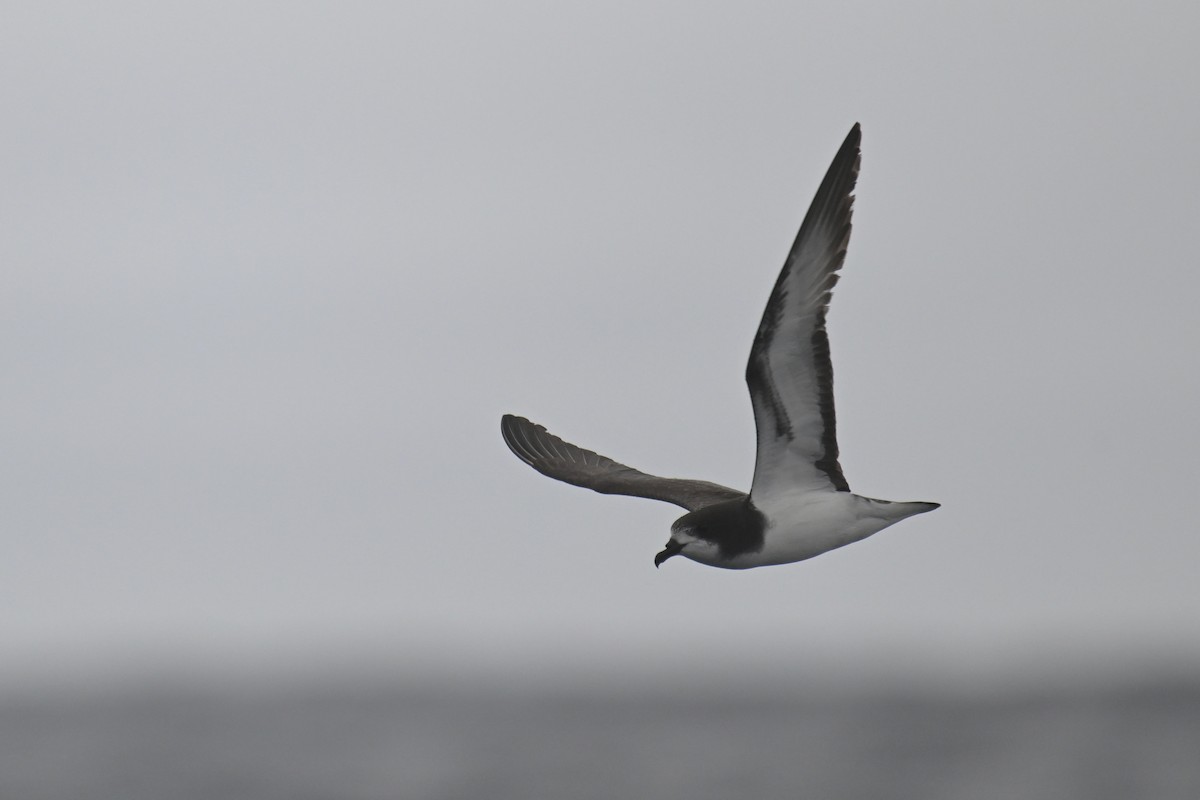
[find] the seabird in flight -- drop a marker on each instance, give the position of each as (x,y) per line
(799,504)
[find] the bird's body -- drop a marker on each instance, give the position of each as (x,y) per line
(799,504)
(736,534)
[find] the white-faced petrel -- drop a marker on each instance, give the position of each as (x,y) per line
(799,504)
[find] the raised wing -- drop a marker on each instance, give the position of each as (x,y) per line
(565,462)
(789,373)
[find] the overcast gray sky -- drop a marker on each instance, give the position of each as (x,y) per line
(272,272)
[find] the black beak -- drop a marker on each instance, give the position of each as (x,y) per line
(672,549)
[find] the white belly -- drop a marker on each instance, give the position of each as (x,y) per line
(799,526)
(806,525)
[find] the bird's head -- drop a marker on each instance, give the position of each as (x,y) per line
(687,540)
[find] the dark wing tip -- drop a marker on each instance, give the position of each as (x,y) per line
(853,138)
(850,151)
(547,453)
(511,428)
(509,423)
(525,439)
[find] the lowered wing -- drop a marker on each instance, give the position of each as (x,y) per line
(563,461)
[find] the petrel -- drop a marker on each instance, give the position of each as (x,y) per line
(800,504)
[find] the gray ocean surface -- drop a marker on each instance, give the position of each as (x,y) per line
(370,741)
